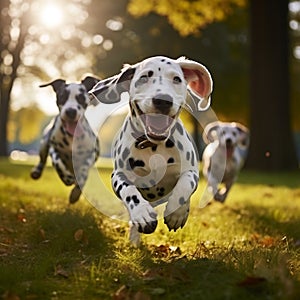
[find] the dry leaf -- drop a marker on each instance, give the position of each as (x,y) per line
(42,233)
(265,241)
(268,241)
(166,250)
(252,281)
(80,236)
(151,274)
(122,293)
(61,272)
(22,217)
(8,295)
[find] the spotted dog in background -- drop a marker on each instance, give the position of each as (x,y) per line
(154,157)
(224,156)
(69,139)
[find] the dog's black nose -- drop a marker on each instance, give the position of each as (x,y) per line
(162,102)
(71,113)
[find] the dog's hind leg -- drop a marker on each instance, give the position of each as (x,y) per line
(134,235)
(222,193)
(80,179)
(36,171)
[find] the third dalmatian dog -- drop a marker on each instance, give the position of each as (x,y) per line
(224,156)
(69,139)
(154,157)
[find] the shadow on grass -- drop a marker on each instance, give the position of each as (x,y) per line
(269,220)
(42,252)
(214,275)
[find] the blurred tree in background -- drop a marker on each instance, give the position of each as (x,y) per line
(187,17)
(100,36)
(272,144)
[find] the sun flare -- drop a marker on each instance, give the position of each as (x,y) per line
(51,15)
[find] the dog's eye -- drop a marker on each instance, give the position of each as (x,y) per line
(142,80)
(234,133)
(62,98)
(177,80)
(81,99)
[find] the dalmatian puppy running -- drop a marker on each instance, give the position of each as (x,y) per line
(69,139)
(224,155)
(154,157)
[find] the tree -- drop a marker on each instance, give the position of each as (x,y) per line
(186,16)
(11,45)
(23,37)
(272,146)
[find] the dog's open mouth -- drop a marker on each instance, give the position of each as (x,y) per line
(157,126)
(73,128)
(229,150)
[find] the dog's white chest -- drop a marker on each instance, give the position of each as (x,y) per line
(153,170)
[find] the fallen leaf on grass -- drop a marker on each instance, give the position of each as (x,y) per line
(21,217)
(151,274)
(251,281)
(265,241)
(42,234)
(166,250)
(122,293)
(80,236)
(8,295)
(61,272)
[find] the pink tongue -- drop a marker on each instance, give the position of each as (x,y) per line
(74,128)
(229,151)
(158,123)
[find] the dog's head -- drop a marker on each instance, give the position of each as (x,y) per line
(229,134)
(157,90)
(72,100)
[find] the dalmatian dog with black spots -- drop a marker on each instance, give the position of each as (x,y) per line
(224,156)
(154,157)
(69,139)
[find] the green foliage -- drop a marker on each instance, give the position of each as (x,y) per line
(186,16)
(247,248)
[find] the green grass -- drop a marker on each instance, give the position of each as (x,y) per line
(248,248)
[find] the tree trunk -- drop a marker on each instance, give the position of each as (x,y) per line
(4,108)
(272,147)
(7,80)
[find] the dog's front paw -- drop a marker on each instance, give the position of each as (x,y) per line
(75,194)
(176,216)
(142,215)
(36,172)
(220,196)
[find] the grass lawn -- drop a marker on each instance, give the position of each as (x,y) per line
(248,248)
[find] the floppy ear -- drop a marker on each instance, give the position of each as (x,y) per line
(56,84)
(244,137)
(109,90)
(199,81)
(210,132)
(89,82)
